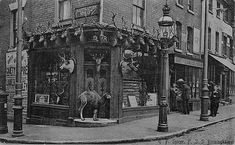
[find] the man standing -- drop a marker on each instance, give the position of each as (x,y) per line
(215,99)
(185,95)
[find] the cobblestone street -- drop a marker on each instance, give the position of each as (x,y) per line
(221,133)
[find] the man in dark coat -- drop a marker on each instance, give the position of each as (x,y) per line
(215,99)
(185,95)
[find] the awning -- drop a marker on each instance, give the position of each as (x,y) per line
(224,62)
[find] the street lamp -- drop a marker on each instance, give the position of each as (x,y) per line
(17,125)
(166,34)
(205,91)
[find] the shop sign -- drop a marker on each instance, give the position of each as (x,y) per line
(86,11)
(188,62)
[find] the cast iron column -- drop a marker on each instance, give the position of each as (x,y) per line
(162,123)
(17,126)
(205,91)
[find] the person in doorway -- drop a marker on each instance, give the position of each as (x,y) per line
(215,99)
(185,95)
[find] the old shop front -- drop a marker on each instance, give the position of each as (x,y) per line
(189,69)
(69,60)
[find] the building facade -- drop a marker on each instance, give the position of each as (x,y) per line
(221,45)
(107,46)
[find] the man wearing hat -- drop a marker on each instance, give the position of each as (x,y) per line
(185,95)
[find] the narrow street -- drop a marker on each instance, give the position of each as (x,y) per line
(221,133)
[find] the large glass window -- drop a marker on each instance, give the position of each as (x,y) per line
(142,91)
(51,84)
(138,12)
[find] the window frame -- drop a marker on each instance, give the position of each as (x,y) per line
(210,7)
(190,39)
(217,42)
(14,22)
(218,6)
(179,34)
(191,5)
(209,38)
(57,11)
(142,9)
(180,3)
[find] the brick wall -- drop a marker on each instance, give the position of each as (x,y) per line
(4,38)
(153,13)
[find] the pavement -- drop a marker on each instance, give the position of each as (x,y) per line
(135,131)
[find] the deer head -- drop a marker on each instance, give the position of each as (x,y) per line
(67,64)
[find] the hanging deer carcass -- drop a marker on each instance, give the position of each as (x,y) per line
(67,64)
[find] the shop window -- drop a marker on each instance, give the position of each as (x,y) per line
(209,38)
(191,5)
(138,12)
(142,91)
(192,77)
(218,10)
(190,39)
(51,83)
(216,42)
(179,34)
(210,5)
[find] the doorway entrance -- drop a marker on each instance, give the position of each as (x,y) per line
(97,78)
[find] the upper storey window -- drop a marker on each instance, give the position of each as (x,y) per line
(13,23)
(63,10)
(191,5)
(138,12)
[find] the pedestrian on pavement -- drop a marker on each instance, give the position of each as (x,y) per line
(211,86)
(215,99)
(173,93)
(185,95)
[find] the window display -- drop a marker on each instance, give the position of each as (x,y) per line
(51,82)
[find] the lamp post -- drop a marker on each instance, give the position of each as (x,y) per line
(17,126)
(166,33)
(205,91)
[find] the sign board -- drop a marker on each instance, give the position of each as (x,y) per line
(11,71)
(41,98)
(86,11)
(132,101)
(152,100)
(189,62)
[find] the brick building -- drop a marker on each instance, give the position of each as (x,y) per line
(221,45)
(83,31)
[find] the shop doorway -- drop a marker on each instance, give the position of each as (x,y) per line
(97,78)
